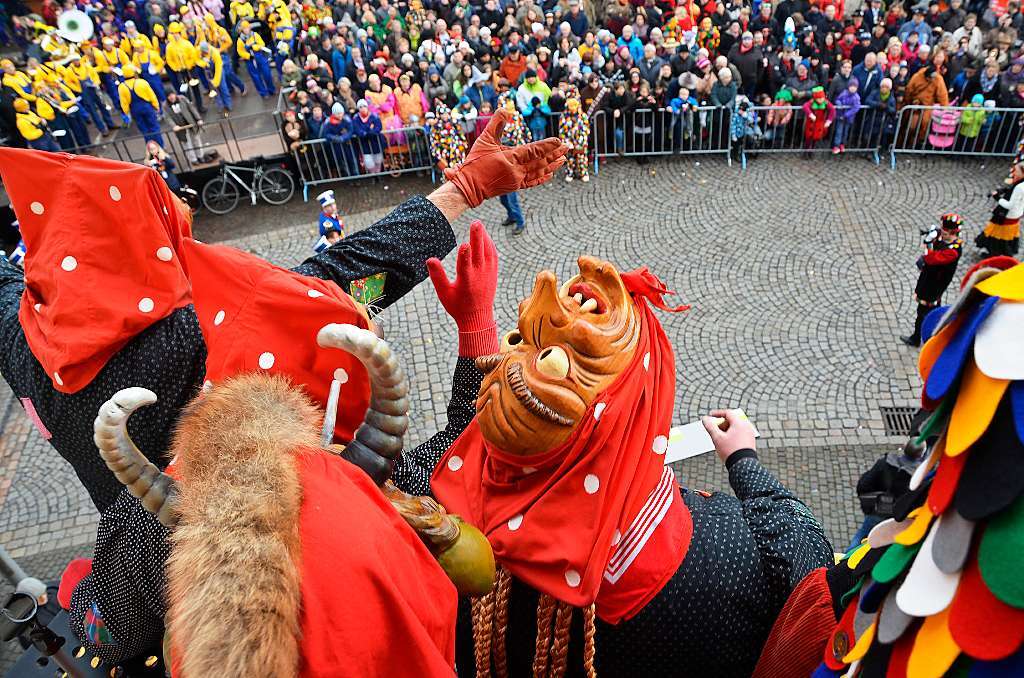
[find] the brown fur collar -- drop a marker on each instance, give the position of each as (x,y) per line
(233,575)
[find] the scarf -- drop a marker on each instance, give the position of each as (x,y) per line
(987,83)
(110,254)
(599,518)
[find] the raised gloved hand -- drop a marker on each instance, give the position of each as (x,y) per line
(469,299)
(491,169)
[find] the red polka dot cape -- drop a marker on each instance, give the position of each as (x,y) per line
(110,255)
(600,518)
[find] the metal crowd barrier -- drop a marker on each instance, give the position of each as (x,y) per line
(392,152)
(957,131)
(782,129)
(656,132)
(236,139)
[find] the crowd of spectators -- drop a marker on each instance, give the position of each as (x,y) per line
(664,72)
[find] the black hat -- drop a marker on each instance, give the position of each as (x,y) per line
(530,73)
(683,48)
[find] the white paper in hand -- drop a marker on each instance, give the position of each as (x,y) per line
(692,439)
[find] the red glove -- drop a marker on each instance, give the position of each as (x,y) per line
(76,571)
(491,169)
(469,299)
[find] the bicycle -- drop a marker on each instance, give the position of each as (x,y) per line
(274,184)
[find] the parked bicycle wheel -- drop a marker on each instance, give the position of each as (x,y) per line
(277,186)
(220,195)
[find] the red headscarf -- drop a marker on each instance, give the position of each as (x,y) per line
(108,255)
(599,518)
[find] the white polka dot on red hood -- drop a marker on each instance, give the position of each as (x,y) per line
(115,193)
(37,208)
(69,263)
(146,304)
(165,254)
(267,360)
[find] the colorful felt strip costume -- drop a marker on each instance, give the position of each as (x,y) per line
(950,556)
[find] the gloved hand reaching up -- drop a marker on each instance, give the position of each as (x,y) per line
(491,169)
(469,299)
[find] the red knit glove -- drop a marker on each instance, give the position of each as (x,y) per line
(77,570)
(469,299)
(491,169)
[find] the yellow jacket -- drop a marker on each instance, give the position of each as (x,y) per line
(141,89)
(58,93)
(284,30)
(143,60)
(30,125)
(248,45)
(44,110)
(20,83)
(181,54)
(107,60)
(212,65)
(240,9)
(76,76)
(128,42)
(219,38)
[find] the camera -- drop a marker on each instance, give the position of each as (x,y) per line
(929,235)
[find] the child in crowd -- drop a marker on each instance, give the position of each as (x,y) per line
(779,115)
(465,115)
(820,114)
(744,126)
(848,104)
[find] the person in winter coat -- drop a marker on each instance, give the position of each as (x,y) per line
(880,118)
(848,103)
(465,116)
(411,103)
(819,115)
(574,131)
(925,88)
(337,130)
(749,60)
(437,89)
(801,83)
(367,128)
(780,114)
(294,130)
(723,93)
(971,121)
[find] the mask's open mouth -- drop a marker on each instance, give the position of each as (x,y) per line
(586,298)
(522,392)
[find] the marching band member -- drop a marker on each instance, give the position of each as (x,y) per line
(33,128)
(83,80)
(253,51)
(140,103)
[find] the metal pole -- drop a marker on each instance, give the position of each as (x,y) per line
(10,570)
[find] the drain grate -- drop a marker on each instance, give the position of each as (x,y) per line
(898,421)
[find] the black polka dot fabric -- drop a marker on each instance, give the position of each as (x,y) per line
(414,468)
(713,616)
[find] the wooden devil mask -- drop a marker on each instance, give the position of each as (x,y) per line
(571,343)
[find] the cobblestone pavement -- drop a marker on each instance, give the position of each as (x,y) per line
(799,272)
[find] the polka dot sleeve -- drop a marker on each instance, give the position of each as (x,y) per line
(414,468)
(399,245)
(790,539)
(118,610)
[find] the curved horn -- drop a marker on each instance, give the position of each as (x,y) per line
(379,439)
(155,489)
